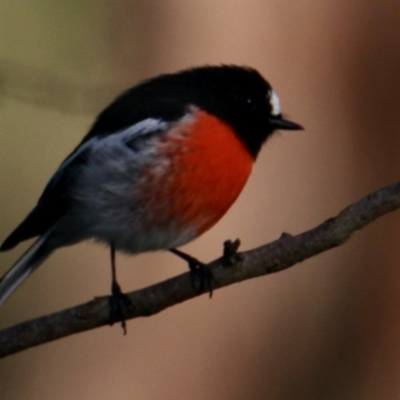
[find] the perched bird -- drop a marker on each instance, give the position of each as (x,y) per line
(160,166)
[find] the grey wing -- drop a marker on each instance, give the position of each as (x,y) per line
(55,199)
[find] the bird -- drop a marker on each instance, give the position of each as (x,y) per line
(159,167)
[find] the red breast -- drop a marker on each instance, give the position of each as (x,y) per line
(208,167)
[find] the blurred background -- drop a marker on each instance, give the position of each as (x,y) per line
(328,328)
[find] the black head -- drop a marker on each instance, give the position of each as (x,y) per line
(245,100)
(240,96)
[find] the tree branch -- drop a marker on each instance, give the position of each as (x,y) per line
(273,257)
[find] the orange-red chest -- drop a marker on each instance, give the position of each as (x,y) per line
(206,166)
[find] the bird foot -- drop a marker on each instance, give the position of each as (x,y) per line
(201,276)
(119,302)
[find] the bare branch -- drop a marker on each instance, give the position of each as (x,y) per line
(273,257)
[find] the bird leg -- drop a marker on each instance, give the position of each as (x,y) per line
(198,272)
(118,300)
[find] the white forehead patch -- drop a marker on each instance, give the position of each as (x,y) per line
(274,101)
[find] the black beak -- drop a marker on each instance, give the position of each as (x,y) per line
(279,123)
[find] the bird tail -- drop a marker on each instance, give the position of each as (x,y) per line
(27,264)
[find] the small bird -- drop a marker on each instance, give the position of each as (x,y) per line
(159,167)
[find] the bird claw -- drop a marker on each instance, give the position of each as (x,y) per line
(119,302)
(201,273)
(198,272)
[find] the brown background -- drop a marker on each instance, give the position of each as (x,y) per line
(326,329)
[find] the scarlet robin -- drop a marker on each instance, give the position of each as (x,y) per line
(160,166)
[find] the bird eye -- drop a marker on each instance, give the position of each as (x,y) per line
(251,102)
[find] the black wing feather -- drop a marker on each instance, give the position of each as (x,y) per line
(53,203)
(165,97)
